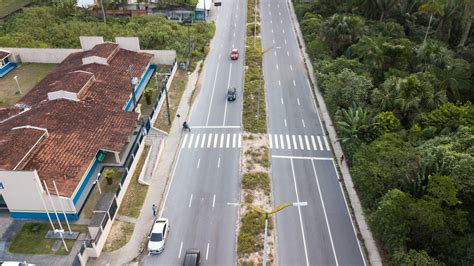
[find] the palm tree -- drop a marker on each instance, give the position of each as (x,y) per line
(355,124)
(385,6)
(433,8)
(432,54)
(468,16)
(454,78)
(452,9)
(340,31)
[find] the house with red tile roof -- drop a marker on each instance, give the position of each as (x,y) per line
(53,136)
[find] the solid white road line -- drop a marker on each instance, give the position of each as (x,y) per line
(233,140)
(299,212)
(298,100)
(180,248)
(203,140)
(276,141)
(240,141)
(190,201)
(288,142)
(216,136)
(197,140)
(326,143)
(212,95)
(294,142)
(324,211)
(348,213)
(215,127)
(284,120)
(219,162)
(190,141)
(314,143)
(301,141)
(199,162)
(294,83)
(270,141)
(320,144)
(184,140)
(213,200)
(163,206)
(302,157)
(307,142)
(207,251)
(302,121)
(222,141)
(209,140)
(228,85)
(227,141)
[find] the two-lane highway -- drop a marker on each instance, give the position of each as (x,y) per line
(303,168)
(206,174)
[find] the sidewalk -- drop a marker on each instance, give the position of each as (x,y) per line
(368,240)
(158,183)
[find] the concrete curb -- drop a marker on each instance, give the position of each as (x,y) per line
(371,247)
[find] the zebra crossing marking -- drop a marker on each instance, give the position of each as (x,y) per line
(326,143)
(233,140)
(209,140)
(276,141)
(190,141)
(320,143)
(197,141)
(282,142)
(288,142)
(216,137)
(203,140)
(307,142)
(294,142)
(301,142)
(314,143)
(222,141)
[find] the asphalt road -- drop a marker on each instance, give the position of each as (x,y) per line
(303,168)
(206,175)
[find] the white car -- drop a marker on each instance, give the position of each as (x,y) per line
(158,235)
(16,263)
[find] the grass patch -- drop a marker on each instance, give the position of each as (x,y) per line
(251,29)
(259,180)
(253,83)
(30,239)
(136,193)
(88,209)
(120,234)
(175,93)
(28,76)
(250,238)
(9,6)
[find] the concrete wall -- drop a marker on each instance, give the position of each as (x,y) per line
(162,57)
(128,43)
(20,191)
(88,42)
(41,55)
(62,95)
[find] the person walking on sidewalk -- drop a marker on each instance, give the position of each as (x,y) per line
(154,208)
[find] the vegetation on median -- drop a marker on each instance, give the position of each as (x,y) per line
(398,81)
(119,235)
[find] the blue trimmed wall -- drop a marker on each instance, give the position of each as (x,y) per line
(7,68)
(42,215)
(141,85)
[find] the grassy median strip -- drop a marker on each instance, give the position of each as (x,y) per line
(31,239)
(136,193)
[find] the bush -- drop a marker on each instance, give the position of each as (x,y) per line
(259,180)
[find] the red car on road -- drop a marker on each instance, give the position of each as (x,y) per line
(234,55)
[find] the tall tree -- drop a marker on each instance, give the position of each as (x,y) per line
(468,16)
(340,31)
(432,8)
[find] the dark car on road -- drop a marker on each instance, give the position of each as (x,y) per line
(192,257)
(231,94)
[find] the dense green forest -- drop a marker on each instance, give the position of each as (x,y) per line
(397,76)
(60,26)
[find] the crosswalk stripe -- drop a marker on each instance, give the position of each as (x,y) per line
(190,141)
(307,142)
(301,142)
(184,141)
(197,141)
(320,143)
(227,141)
(222,141)
(233,140)
(294,142)
(288,142)
(216,136)
(240,141)
(326,143)
(314,143)
(276,141)
(203,140)
(209,140)
(270,141)
(282,142)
